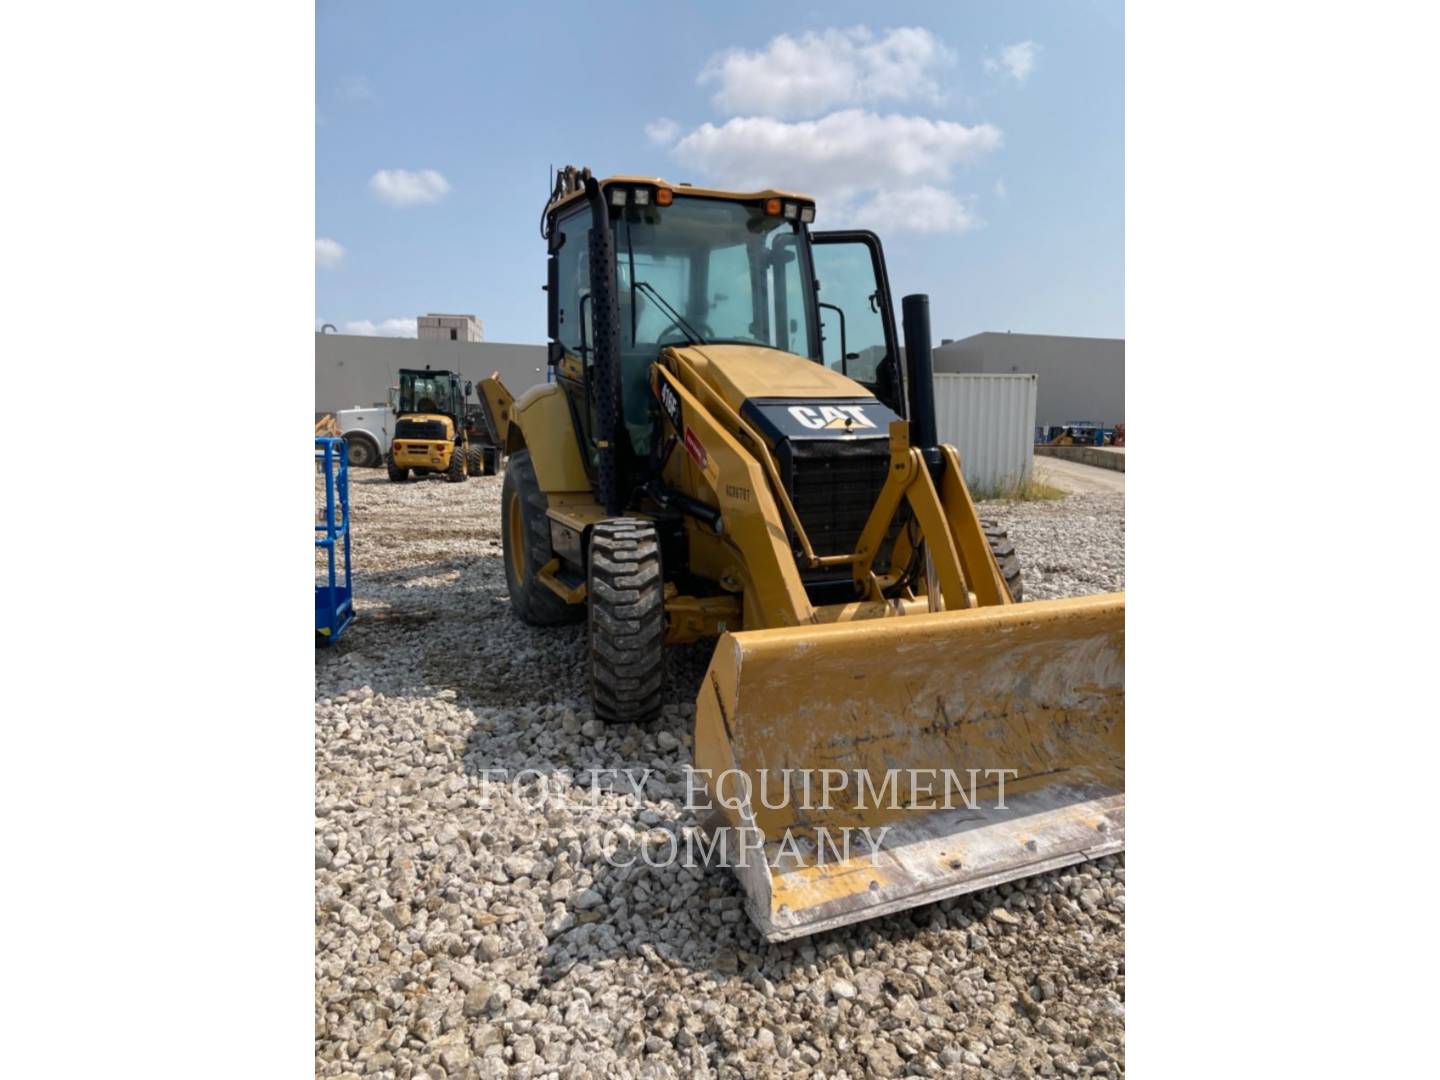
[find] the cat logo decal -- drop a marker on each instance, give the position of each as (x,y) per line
(831,417)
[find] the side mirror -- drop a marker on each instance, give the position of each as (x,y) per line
(469,388)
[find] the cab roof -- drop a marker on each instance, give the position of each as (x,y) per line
(680,189)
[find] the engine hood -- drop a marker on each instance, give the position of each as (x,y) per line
(787,396)
(741,373)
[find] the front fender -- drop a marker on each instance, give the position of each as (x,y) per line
(546,429)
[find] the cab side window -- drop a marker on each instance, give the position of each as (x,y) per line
(573,282)
(731,302)
(852,322)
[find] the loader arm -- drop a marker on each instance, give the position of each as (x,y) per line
(734,479)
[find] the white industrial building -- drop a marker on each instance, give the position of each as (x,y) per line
(435,327)
(352,370)
(1078,378)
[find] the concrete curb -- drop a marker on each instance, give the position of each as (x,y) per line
(1104,457)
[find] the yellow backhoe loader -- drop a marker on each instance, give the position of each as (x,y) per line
(734,446)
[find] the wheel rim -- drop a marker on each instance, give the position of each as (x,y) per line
(516,528)
(357,454)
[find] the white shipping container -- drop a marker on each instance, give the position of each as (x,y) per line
(990,420)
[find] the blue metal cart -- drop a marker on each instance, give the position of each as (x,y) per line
(334,601)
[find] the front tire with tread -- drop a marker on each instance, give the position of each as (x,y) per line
(1004,552)
(626,605)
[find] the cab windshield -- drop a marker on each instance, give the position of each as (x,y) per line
(711,271)
(425,392)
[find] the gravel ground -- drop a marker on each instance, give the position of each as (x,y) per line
(465,931)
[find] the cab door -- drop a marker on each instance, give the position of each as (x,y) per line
(571,321)
(857,319)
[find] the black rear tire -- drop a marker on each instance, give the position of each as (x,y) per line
(474,461)
(525,541)
(626,602)
(397,474)
(455,471)
(1005,555)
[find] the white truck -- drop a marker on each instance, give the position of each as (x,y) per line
(367,433)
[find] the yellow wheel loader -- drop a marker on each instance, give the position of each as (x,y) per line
(430,430)
(735,447)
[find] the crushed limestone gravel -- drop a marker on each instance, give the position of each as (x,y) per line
(466,927)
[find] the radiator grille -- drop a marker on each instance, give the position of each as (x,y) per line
(834,486)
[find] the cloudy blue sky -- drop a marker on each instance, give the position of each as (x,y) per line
(983,141)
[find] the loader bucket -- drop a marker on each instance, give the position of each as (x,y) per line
(929,755)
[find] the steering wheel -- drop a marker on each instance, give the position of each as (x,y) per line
(680,330)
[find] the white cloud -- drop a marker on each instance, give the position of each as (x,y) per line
(328,253)
(662,132)
(386,328)
(1001,191)
(806,75)
(839,155)
(797,121)
(862,168)
(923,209)
(401,187)
(1017,61)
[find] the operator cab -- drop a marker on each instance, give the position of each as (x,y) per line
(693,266)
(429,392)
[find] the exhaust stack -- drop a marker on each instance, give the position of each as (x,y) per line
(920,376)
